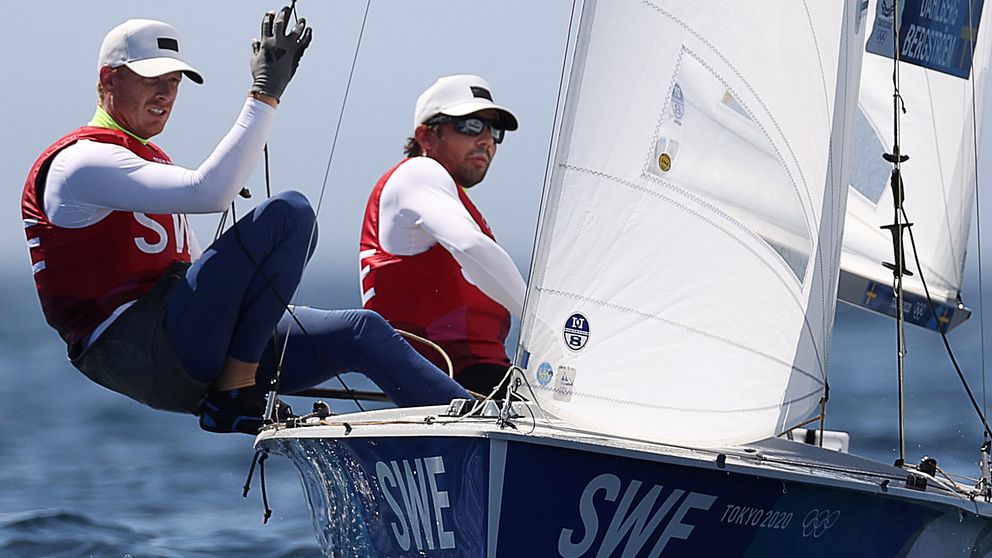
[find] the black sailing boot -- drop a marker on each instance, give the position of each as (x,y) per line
(238,410)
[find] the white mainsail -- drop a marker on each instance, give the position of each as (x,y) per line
(938,132)
(683,285)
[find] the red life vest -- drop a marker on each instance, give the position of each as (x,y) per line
(84,274)
(427,294)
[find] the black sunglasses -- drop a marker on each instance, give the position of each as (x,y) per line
(470,125)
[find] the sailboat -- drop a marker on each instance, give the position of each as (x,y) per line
(678,321)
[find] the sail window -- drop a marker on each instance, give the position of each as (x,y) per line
(712,141)
(869,172)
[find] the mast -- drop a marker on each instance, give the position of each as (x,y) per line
(897,228)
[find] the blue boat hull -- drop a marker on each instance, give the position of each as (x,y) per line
(516,497)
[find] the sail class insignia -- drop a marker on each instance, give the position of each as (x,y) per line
(678,104)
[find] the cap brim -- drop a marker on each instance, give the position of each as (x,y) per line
(154,67)
(507,119)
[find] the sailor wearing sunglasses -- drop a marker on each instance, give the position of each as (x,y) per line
(429,263)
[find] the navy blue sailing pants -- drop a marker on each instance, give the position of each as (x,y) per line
(237,292)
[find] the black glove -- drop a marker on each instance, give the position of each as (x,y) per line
(277,55)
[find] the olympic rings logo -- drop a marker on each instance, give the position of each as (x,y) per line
(817,522)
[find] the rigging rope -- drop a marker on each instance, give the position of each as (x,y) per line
(355,396)
(270,405)
(943,336)
(433,345)
(320,199)
(259,459)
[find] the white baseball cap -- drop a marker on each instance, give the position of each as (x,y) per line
(458,96)
(149,48)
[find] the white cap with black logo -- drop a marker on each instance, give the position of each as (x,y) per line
(459,96)
(149,48)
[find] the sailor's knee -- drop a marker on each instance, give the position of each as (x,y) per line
(370,323)
(370,317)
(296,203)
(294,207)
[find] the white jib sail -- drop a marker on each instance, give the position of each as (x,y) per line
(683,286)
(939,135)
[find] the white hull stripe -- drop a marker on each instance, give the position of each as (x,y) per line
(30,223)
(34,242)
(38,266)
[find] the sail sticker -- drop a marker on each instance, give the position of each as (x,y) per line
(545,373)
(564,384)
(936,34)
(665,150)
(576,332)
(678,104)
(665,162)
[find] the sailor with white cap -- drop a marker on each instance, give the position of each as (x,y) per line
(116,265)
(429,262)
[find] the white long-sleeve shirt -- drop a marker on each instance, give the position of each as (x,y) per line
(89,179)
(419,207)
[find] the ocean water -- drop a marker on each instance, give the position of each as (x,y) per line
(86,472)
